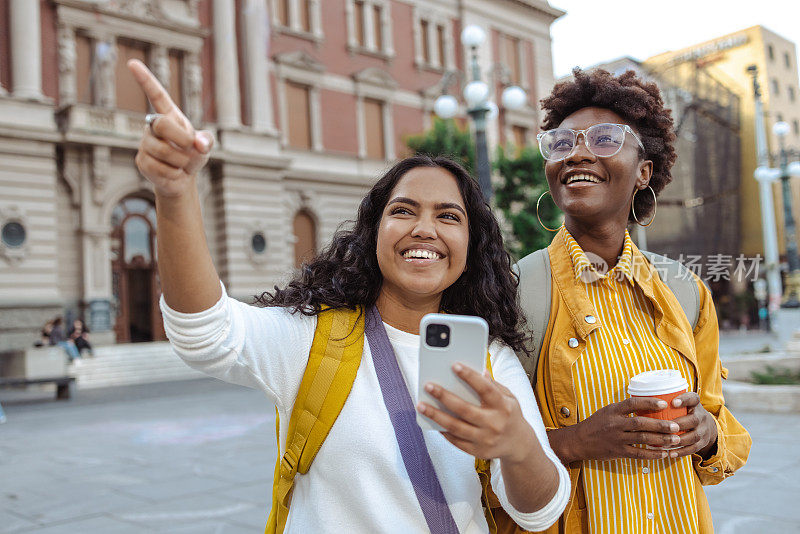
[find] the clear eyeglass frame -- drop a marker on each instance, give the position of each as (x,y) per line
(576,134)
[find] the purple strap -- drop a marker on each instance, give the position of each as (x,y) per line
(408,433)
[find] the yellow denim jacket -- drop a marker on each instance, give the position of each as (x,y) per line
(556,395)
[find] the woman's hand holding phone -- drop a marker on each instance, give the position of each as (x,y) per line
(495,429)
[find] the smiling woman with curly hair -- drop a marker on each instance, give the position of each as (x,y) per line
(637,464)
(337,350)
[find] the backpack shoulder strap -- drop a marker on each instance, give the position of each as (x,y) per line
(535,291)
(331,370)
(681,282)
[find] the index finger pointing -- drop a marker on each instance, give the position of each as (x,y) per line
(154,91)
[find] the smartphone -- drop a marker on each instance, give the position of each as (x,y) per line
(443,341)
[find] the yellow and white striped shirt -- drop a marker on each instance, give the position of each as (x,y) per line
(627,496)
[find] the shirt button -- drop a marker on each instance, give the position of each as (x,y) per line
(626,341)
(645,470)
(565,411)
(591,319)
(649,515)
(573,343)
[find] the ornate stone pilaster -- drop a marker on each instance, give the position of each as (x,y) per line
(101,169)
(104,67)
(67,57)
(193,88)
(26,49)
(226,65)
(159,62)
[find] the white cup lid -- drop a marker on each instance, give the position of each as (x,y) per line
(657,382)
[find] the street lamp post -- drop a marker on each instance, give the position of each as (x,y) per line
(791,297)
(479,107)
(764,175)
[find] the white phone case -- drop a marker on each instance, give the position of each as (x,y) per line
(468,344)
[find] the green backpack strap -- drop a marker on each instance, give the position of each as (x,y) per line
(535,291)
(332,366)
(680,281)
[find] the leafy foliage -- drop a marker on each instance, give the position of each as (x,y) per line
(775,376)
(523,181)
(445,139)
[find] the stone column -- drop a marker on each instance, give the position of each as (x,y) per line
(259,93)
(226,65)
(26,49)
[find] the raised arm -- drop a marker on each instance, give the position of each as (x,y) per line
(170,155)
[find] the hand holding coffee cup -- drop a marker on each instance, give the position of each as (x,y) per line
(697,431)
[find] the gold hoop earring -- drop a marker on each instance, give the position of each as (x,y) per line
(537,212)
(655,207)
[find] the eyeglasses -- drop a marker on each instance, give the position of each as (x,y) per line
(603,140)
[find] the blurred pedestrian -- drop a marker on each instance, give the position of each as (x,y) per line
(79,334)
(58,337)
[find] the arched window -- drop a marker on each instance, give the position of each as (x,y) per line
(305,233)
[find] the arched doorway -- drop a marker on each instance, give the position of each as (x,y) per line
(134,276)
(305,237)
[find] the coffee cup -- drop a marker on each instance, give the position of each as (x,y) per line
(664,384)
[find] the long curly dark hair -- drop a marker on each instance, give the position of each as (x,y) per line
(346,273)
(636,101)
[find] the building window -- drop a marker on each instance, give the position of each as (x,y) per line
(298,16)
(520,135)
(511,57)
(359,24)
(13,234)
(787,60)
(775,87)
(83,69)
(298,100)
(770,52)
(258,243)
(369,27)
(433,42)
(374,129)
(779,118)
(305,238)
(282,12)
(128,94)
(791,93)
(425,44)
(796,126)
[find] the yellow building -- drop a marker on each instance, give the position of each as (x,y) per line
(726,58)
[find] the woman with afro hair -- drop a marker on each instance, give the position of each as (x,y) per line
(608,144)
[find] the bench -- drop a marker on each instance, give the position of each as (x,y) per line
(63,384)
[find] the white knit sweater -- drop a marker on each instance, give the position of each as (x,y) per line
(357,482)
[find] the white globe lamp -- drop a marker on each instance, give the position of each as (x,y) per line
(473,36)
(780,128)
(514,98)
(476,92)
(446,106)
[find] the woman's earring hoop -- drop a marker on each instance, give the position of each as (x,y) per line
(655,207)
(537,212)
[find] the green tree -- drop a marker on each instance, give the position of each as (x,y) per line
(523,181)
(445,139)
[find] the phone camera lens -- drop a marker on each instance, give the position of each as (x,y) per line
(437,335)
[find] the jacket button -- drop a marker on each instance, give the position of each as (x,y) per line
(572,342)
(565,411)
(591,319)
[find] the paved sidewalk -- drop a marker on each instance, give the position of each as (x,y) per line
(197,457)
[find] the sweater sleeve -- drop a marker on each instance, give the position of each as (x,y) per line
(261,348)
(508,371)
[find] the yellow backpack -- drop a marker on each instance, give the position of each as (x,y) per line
(332,365)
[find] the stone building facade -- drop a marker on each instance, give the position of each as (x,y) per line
(309,101)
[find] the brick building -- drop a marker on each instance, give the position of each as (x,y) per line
(309,101)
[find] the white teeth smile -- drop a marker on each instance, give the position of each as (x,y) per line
(583,178)
(421,254)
